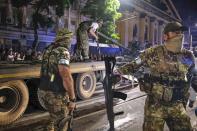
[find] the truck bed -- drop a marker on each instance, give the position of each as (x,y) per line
(10,71)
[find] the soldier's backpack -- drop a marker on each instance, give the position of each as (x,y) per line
(85,25)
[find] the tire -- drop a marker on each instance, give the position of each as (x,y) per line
(41,102)
(85,85)
(35,95)
(14,98)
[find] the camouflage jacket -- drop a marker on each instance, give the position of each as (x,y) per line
(54,55)
(163,63)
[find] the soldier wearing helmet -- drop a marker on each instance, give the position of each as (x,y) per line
(167,68)
(56,86)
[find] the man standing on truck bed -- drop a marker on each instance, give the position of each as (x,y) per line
(56,81)
(82,47)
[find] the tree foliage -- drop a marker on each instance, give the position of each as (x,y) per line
(41,16)
(108,11)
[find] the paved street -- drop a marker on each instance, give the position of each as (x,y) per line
(96,120)
(132,119)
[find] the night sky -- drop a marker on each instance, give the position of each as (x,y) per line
(187,9)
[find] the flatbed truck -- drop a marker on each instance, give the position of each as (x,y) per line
(19,86)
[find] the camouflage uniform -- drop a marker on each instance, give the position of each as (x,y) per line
(82,50)
(165,102)
(53,93)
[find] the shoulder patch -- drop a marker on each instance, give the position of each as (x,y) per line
(63,56)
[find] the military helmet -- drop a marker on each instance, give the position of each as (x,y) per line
(174,26)
(62,34)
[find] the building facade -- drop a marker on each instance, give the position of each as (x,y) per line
(144,20)
(16,26)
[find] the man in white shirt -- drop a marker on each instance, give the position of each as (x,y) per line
(85,28)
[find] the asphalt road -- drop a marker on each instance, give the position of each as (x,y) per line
(131,120)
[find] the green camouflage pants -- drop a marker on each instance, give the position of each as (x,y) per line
(157,114)
(57,108)
(82,51)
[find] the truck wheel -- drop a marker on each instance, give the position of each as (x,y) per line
(14,97)
(85,85)
(41,102)
(34,93)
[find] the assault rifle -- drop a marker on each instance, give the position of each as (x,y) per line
(70,121)
(110,93)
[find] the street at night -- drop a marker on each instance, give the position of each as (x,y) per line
(98,65)
(91,116)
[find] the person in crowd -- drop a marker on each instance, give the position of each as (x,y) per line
(39,55)
(10,56)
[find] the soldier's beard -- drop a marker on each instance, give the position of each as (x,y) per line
(175,44)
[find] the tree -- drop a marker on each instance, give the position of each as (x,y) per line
(108,11)
(41,16)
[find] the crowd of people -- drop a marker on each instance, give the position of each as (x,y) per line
(11,55)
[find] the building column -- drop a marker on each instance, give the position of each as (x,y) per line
(126,33)
(152,30)
(142,24)
(122,30)
(78,13)
(9,12)
(130,31)
(160,32)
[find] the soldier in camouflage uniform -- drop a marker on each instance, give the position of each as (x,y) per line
(166,81)
(56,86)
(86,28)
